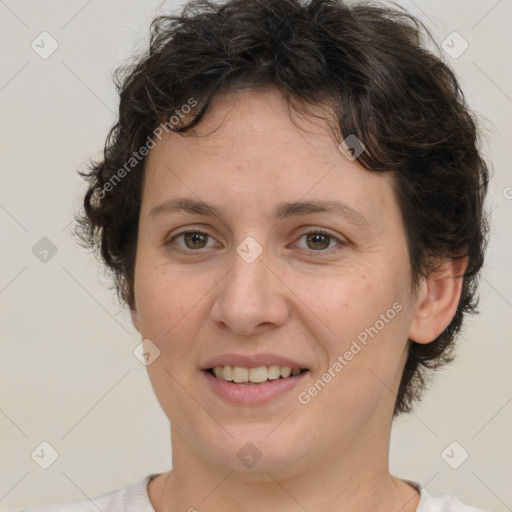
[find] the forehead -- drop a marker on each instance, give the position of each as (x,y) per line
(243,120)
(251,149)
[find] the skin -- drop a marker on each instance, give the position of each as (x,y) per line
(300,299)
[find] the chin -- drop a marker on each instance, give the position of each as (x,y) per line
(253,451)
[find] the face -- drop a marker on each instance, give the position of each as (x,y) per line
(259,281)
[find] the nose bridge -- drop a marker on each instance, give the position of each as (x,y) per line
(250,295)
(248,282)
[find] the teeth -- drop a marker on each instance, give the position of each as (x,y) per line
(285,371)
(273,372)
(226,374)
(240,374)
(256,375)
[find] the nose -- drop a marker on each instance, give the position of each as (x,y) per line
(251,298)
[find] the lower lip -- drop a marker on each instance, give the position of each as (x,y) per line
(252,394)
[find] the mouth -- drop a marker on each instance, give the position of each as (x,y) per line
(254,376)
(254,386)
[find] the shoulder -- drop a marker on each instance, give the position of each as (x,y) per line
(128,499)
(441,501)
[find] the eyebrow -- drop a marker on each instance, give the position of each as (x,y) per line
(281,211)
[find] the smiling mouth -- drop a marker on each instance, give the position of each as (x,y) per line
(258,375)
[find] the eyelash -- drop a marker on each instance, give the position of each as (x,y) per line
(311,231)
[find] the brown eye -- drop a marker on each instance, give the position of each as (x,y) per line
(319,241)
(193,240)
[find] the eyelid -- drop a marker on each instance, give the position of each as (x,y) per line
(322,231)
(313,230)
(170,239)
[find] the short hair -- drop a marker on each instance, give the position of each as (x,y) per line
(371,65)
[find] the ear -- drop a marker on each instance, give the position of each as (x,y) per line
(437,301)
(135,318)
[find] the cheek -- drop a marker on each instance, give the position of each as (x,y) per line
(348,302)
(364,364)
(163,298)
(364,321)
(169,311)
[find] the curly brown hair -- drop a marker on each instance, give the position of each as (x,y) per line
(371,65)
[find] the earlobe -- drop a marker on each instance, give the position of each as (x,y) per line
(437,301)
(135,319)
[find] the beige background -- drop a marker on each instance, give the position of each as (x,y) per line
(68,375)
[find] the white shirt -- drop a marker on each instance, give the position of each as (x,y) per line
(134,498)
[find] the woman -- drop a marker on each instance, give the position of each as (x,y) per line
(291,204)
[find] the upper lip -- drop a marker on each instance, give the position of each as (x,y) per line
(251,361)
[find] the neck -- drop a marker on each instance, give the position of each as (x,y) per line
(353,476)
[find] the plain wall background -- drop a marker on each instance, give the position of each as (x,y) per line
(68,375)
